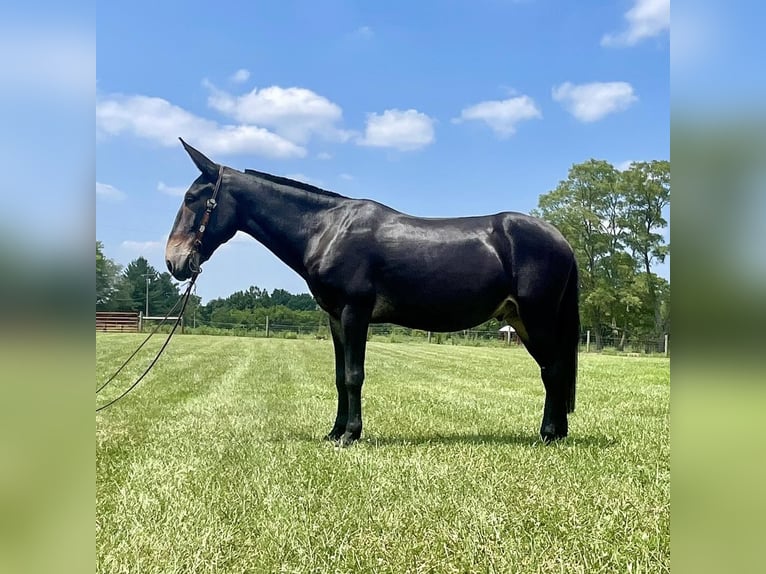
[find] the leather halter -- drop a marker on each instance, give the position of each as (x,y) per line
(210,205)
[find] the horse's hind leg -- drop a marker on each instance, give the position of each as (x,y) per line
(555,423)
(537,329)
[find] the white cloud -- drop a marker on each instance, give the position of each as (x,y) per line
(171,190)
(346,176)
(592,102)
(240,76)
(159,121)
(323,155)
(108,191)
(502,115)
(142,246)
(647,18)
(293,113)
(403,130)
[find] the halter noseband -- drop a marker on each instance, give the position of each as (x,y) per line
(210,205)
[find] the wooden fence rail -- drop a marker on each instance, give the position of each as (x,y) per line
(117,322)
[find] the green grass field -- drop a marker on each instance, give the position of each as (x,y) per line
(215,463)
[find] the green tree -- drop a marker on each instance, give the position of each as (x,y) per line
(301,302)
(140,277)
(647,193)
(581,208)
(251,307)
(107,276)
(612,220)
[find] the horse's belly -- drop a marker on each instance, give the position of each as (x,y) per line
(432,318)
(439,307)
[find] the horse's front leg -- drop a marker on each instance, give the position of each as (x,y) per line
(354,322)
(341,416)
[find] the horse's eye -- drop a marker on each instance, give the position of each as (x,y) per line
(188,198)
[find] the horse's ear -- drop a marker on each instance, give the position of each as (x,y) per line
(208,167)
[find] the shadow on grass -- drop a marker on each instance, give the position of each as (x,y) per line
(489,439)
(463,439)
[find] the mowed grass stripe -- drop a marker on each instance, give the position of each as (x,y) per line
(228,474)
(471,389)
(201,444)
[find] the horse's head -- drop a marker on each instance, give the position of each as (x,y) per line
(193,240)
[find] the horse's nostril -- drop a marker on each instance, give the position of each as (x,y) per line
(169,264)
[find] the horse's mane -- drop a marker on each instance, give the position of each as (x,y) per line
(292,183)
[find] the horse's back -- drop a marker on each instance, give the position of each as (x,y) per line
(434,273)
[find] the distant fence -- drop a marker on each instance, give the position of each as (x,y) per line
(143,321)
(117,322)
(394,333)
(322,331)
(589,343)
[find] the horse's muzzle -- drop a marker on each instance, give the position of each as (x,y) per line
(183,271)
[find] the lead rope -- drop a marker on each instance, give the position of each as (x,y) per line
(194,265)
(185,298)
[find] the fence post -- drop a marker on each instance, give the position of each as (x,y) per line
(267,326)
(140,321)
(666,344)
(429,336)
(587,341)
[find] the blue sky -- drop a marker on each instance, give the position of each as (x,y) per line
(435,108)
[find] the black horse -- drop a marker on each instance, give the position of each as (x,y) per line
(367,263)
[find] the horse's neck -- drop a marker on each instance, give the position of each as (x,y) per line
(283,220)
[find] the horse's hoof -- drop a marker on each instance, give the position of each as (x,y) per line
(335,434)
(346,440)
(550,433)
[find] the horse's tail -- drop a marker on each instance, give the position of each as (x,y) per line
(569,333)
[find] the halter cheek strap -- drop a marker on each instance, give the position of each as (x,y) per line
(210,205)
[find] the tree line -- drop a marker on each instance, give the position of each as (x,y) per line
(140,286)
(251,307)
(613,219)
